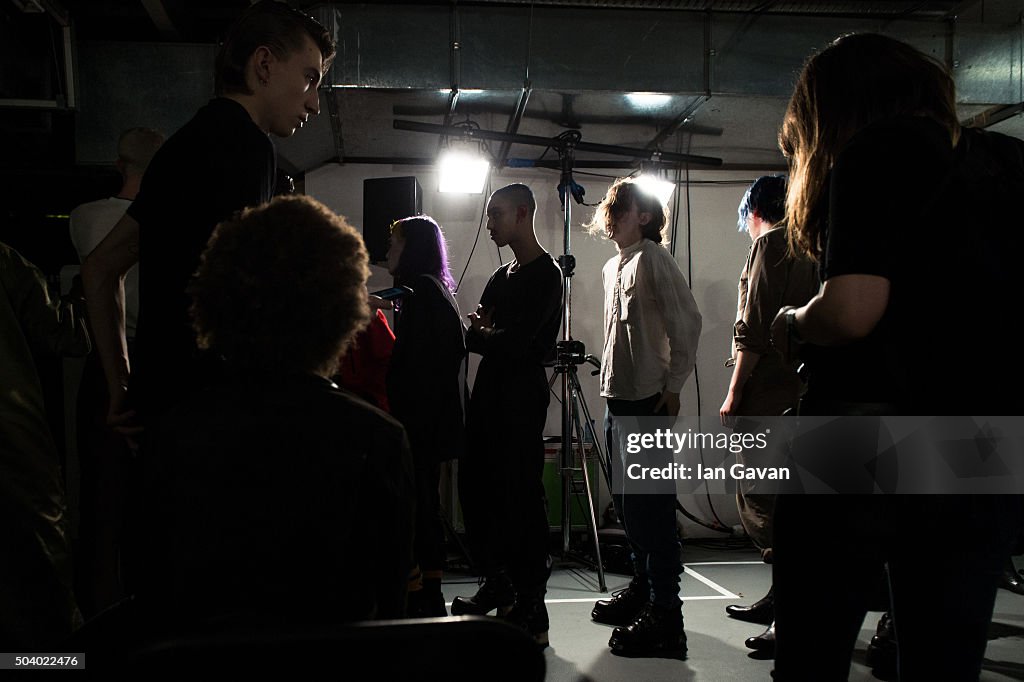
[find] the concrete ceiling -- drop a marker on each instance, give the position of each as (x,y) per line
(713,77)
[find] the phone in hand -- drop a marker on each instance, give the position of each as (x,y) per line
(393,293)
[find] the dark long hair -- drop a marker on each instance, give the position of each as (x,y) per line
(856,81)
(425,251)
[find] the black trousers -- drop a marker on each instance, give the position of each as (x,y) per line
(649,519)
(502,491)
(944,555)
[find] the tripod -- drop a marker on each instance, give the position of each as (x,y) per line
(571,353)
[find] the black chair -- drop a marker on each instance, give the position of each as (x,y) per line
(458,649)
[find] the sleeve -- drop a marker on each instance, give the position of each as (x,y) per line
(678,309)
(56,328)
(767,277)
(475,340)
(517,339)
(878,189)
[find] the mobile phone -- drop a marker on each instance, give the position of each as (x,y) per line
(392,293)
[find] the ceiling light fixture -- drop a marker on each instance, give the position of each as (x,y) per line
(648,100)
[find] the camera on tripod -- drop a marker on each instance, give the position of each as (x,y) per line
(571,352)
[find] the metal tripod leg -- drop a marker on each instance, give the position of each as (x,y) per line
(577,402)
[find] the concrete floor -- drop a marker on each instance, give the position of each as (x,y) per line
(714,577)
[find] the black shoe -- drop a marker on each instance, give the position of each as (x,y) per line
(625,604)
(425,604)
(762,611)
(531,615)
(882,650)
(1011,580)
(764,642)
(496,593)
(656,631)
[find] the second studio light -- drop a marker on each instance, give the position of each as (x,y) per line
(659,187)
(462,171)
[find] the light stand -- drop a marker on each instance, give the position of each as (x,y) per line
(570,353)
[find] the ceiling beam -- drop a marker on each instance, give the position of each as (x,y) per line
(993,115)
(513,123)
(161,19)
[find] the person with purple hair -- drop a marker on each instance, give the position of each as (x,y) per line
(426,388)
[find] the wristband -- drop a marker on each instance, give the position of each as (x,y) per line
(791,330)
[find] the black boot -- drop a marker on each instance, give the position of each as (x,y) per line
(1011,580)
(764,642)
(496,593)
(625,604)
(882,650)
(762,611)
(656,631)
(531,615)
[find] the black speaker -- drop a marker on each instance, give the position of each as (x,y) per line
(386,200)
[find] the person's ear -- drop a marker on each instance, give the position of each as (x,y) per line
(645,217)
(522,212)
(262,60)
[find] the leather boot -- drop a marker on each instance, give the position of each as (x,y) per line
(530,614)
(1011,580)
(656,631)
(883,649)
(625,604)
(762,611)
(764,642)
(496,593)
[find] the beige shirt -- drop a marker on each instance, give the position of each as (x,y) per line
(651,324)
(89,224)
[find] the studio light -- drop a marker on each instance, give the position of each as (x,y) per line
(462,171)
(659,187)
(648,100)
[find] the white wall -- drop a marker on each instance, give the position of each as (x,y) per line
(718,255)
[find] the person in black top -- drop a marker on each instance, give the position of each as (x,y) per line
(258,512)
(425,388)
(500,476)
(267,73)
(878,197)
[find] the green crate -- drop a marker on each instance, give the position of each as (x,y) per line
(578,509)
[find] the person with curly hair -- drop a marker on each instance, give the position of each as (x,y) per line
(272,492)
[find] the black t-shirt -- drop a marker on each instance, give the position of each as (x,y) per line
(527,315)
(901,206)
(217,164)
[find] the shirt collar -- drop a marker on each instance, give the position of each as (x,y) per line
(632,249)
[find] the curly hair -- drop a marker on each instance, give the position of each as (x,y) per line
(281,288)
(856,81)
(619,199)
